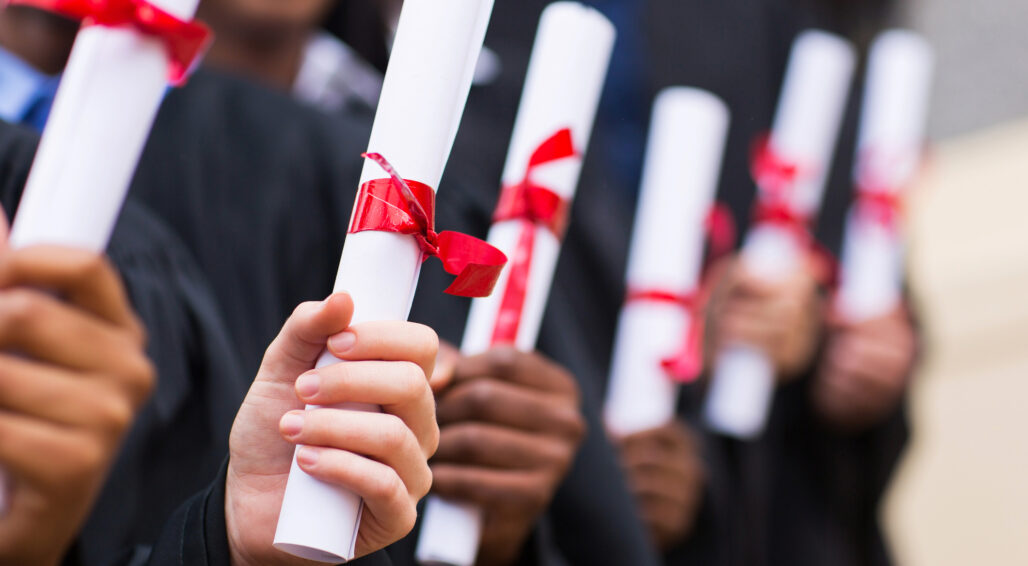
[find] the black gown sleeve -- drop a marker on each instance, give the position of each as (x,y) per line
(196,534)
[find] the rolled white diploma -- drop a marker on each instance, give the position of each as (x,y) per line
(423,96)
(108,98)
(889,151)
(805,132)
(105,107)
(562,90)
(680,179)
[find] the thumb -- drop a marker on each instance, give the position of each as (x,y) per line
(303,338)
(445,367)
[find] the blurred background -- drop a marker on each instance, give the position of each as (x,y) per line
(960,496)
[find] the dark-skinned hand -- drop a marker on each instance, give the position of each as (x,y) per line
(865,369)
(73,374)
(782,318)
(666,475)
(510,427)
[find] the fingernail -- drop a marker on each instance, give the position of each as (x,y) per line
(307,456)
(308,384)
(292,424)
(342,342)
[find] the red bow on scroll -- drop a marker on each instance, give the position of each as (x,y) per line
(534,205)
(184,41)
(776,178)
(686,364)
(408,207)
(878,199)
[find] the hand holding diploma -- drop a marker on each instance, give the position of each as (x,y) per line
(790,168)
(380,457)
(65,404)
(555,119)
(392,230)
(511,427)
(872,345)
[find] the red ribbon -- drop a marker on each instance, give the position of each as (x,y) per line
(185,41)
(877,200)
(686,364)
(535,205)
(408,207)
(776,178)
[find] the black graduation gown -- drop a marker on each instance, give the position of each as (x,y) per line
(802,494)
(179,438)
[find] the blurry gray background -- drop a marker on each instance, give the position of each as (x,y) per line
(983,56)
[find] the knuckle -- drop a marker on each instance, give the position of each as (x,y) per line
(115,414)
(481,394)
(503,361)
(19,308)
(394,434)
(385,486)
(413,380)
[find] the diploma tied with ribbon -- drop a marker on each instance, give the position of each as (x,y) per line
(392,229)
(554,123)
(889,158)
(790,168)
(657,345)
(124,56)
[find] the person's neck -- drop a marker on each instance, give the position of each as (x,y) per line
(39,38)
(272,59)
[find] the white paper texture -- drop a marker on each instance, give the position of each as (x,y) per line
(109,94)
(680,178)
(805,132)
(892,132)
(423,96)
(562,90)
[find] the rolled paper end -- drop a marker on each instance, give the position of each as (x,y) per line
(741,391)
(476,264)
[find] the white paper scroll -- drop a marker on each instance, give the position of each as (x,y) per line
(680,179)
(105,107)
(562,90)
(805,132)
(109,95)
(423,96)
(889,152)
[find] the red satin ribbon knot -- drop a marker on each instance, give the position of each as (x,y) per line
(185,41)
(776,178)
(878,200)
(685,365)
(407,207)
(535,205)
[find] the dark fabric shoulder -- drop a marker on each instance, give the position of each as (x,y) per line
(17,148)
(260,189)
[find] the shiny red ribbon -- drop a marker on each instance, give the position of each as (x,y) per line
(686,365)
(535,205)
(403,206)
(776,178)
(185,41)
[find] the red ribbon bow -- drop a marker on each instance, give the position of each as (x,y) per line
(408,207)
(535,205)
(878,201)
(185,41)
(686,365)
(776,178)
